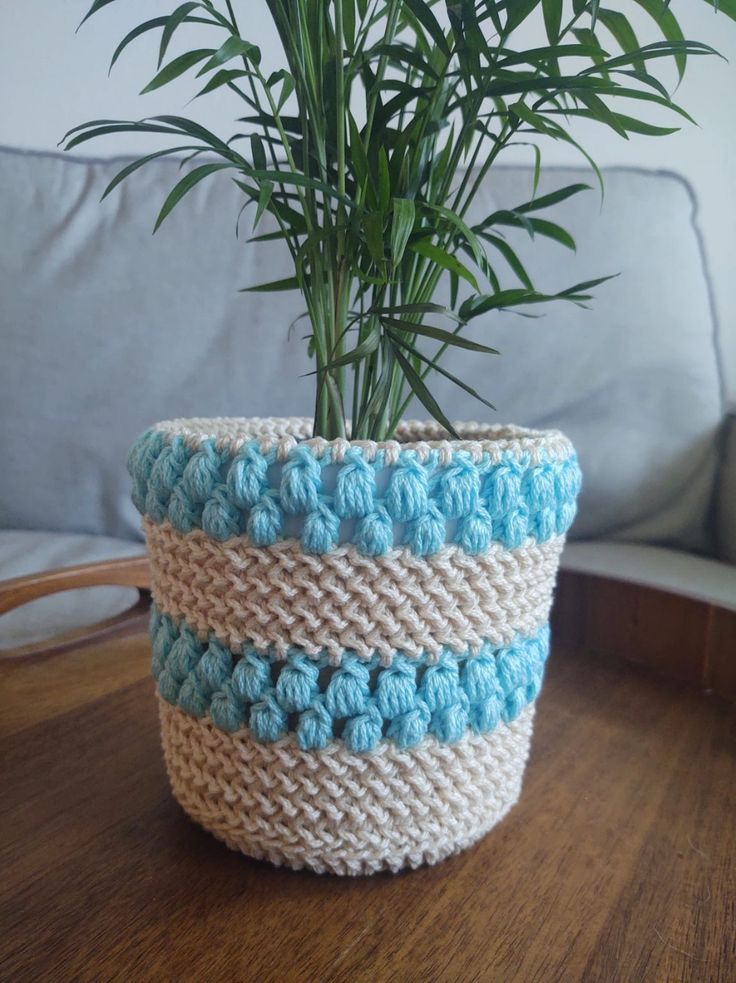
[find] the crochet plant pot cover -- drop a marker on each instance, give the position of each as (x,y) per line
(349,636)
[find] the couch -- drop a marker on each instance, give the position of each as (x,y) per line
(106,329)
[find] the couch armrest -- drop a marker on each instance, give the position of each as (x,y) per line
(726,493)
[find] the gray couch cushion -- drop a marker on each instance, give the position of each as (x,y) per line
(23,552)
(106,329)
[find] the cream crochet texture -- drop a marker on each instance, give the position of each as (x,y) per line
(277,597)
(338,812)
(282,434)
(335,810)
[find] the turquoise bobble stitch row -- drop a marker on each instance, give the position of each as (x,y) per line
(357,702)
(248,492)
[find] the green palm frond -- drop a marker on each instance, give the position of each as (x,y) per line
(369,144)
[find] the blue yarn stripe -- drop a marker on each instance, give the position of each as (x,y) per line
(358,702)
(424,504)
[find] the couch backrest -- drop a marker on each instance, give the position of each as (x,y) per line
(106,329)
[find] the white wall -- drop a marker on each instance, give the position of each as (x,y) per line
(52,79)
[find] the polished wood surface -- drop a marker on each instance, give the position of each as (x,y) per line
(617,866)
(131,571)
(680,637)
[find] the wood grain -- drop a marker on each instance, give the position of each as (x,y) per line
(720,653)
(50,686)
(680,637)
(615,867)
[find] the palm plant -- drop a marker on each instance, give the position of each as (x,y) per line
(368,146)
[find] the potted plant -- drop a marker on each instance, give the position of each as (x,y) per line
(350,619)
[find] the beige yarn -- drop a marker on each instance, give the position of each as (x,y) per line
(338,812)
(334,810)
(277,597)
(283,433)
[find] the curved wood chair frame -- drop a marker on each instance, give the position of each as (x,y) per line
(126,572)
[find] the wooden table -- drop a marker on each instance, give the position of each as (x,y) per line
(617,865)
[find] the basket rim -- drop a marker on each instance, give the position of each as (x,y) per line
(283,434)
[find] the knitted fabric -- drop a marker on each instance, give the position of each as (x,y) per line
(338,812)
(349,637)
(360,702)
(277,597)
(503,487)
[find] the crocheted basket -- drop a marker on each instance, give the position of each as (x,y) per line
(348,636)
